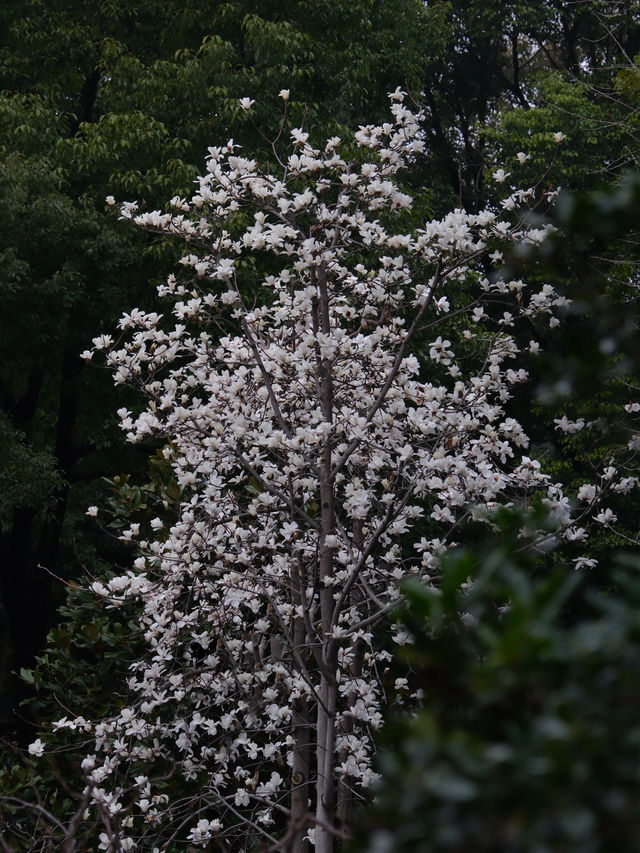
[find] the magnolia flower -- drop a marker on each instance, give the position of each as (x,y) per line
(584,563)
(478,313)
(92,511)
(36,748)
(242,797)
(558,136)
(500,175)
(284,94)
(203,830)
(587,492)
(246,103)
(575,534)
(606,516)
(110,200)
(565,425)
(522,157)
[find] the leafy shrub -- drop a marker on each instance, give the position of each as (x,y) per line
(529,739)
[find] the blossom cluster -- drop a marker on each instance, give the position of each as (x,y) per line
(311,437)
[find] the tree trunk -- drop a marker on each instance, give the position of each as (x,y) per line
(301,737)
(325,752)
(327,698)
(300,779)
(345,801)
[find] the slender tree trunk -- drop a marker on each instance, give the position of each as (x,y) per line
(345,802)
(327,698)
(301,736)
(300,778)
(326,736)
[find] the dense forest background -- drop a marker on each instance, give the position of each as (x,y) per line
(123,99)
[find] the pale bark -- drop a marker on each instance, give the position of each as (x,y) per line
(325,752)
(325,732)
(301,736)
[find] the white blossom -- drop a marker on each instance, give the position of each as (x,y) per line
(606,516)
(565,425)
(36,748)
(584,563)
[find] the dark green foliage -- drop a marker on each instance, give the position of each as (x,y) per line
(489,58)
(28,478)
(529,739)
(82,671)
(588,368)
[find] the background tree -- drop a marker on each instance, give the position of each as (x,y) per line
(485,60)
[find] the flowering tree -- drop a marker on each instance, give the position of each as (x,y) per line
(311,444)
